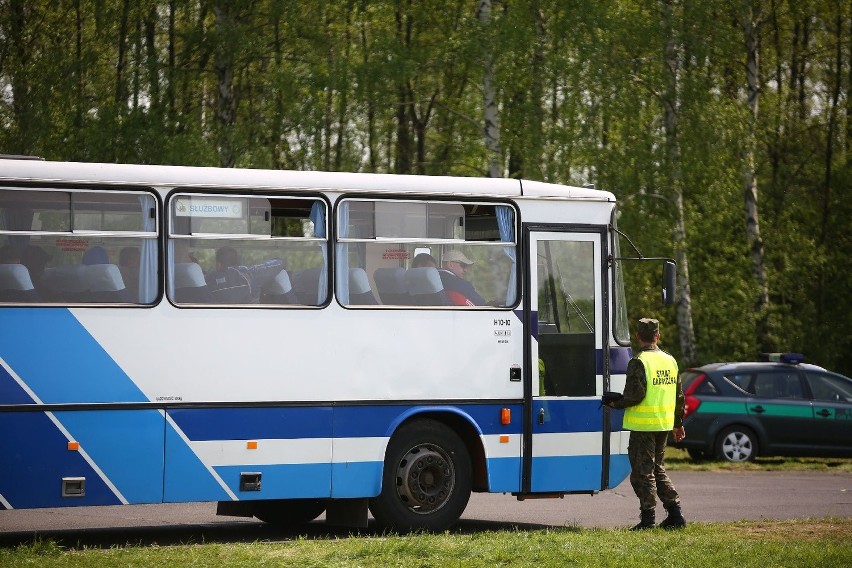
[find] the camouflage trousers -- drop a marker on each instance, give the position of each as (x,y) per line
(648,471)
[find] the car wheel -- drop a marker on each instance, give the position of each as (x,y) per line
(426,482)
(736,444)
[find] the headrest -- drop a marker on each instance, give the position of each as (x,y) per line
(189,275)
(423,281)
(280,284)
(390,280)
(15,277)
(104,278)
(358,281)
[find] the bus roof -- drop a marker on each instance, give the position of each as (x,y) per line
(26,170)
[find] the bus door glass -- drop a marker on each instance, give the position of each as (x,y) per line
(566,327)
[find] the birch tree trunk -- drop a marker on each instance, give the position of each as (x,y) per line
(750,23)
(491,129)
(671,104)
(226,110)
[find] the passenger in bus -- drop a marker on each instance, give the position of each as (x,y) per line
(227,284)
(424,260)
(460,291)
(128,264)
(95,255)
(10,254)
(232,283)
(35,259)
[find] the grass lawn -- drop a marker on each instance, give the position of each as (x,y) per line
(807,543)
(679,460)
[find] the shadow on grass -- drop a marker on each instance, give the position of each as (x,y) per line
(227,533)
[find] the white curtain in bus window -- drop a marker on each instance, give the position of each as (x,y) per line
(418,253)
(78,247)
(566,316)
(247,251)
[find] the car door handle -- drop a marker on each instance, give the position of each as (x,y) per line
(824,413)
(759,409)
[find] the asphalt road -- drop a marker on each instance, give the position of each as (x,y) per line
(706,497)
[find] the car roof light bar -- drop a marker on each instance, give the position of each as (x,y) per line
(788,358)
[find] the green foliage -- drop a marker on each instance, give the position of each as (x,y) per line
(397,86)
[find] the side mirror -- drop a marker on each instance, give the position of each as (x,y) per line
(669,281)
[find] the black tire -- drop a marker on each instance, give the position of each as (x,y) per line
(426,480)
(736,444)
(696,454)
(289,512)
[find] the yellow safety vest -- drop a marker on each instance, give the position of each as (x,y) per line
(656,411)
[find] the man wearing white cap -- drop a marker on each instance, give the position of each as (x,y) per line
(460,291)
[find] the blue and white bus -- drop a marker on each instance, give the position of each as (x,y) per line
(266,340)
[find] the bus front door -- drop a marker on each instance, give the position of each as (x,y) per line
(564,442)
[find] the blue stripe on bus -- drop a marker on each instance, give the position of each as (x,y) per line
(36,458)
(10,391)
(286,481)
(59,359)
(381,421)
(356,479)
(616,419)
(126,445)
(566,473)
(186,478)
(203,424)
(619,469)
(504,475)
(561,416)
(618,358)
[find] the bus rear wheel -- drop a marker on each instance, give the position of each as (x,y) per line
(426,481)
(289,512)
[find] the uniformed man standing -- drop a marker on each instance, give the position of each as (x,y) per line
(653,403)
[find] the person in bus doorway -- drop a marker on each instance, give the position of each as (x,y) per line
(459,290)
(653,402)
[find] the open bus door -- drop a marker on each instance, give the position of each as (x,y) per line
(566,444)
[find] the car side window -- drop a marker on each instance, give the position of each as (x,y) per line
(706,387)
(828,387)
(742,381)
(777,384)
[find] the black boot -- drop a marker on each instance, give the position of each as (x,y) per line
(674,519)
(647,522)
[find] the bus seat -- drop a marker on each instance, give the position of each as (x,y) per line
(390,284)
(280,290)
(190,286)
(66,283)
(425,287)
(16,284)
(306,285)
(105,283)
(359,288)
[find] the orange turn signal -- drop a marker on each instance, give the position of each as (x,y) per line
(251,445)
(504,439)
(73,446)
(505,416)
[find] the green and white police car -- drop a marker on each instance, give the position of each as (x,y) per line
(783,407)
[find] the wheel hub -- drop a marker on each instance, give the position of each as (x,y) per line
(425,479)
